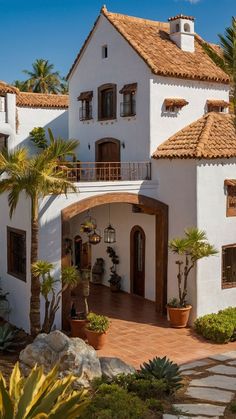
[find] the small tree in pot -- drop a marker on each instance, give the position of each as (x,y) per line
(115,279)
(96,330)
(190,248)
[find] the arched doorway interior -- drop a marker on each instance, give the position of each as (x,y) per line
(146,205)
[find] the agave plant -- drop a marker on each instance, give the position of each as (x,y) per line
(40,396)
(163,368)
(7,335)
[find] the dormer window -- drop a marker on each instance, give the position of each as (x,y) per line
(217,105)
(173,105)
(107,102)
(104,51)
(128,106)
(85,112)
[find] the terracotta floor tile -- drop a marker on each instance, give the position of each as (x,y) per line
(137,333)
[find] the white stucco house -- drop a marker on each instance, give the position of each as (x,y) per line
(157,154)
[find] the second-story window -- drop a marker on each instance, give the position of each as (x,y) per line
(107,102)
(217,105)
(2,103)
(128,106)
(85,112)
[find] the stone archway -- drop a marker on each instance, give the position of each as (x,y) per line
(144,204)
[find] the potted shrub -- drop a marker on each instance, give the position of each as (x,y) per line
(190,248)
(115,279)
(96,330)
(88,225)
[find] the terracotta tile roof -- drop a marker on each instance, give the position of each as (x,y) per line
(175,102)
(210,137)
(41,100)
(181,17)
(7,88)
(151,40)
(217,102)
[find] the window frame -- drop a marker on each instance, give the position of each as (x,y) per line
(226,285)
(10,271)
(230,211)
(101,89)
(104,52)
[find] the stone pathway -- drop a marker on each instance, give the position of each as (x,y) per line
(211,388)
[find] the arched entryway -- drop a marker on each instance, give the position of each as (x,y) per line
(137,261)
(143,204)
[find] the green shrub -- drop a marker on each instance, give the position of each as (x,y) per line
(155,405)
(218,327)
(233,407)
(112,401)
(162,369)
(98,323)
(146,388)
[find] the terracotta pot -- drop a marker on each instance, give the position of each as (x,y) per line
(114,288)
(95,339)
(179,316)
(77,328)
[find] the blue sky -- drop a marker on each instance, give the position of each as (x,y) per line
(56,29)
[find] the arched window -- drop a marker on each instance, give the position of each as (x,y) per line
(186,27)
(107,102)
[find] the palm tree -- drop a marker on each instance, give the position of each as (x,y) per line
(228,59)
(42,79)
(37,176)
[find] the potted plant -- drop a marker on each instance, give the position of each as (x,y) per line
(115,279)
(88,225)
(78,321)
(96,330)
(190,248)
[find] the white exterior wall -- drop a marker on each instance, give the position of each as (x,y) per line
(164,124)
(29,118)
(123,220)
(122,66)
(211,217)
(177,189)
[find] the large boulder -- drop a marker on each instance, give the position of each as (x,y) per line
(71,354)
(111,367)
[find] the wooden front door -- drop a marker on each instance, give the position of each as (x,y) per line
(108,159)
(137,260)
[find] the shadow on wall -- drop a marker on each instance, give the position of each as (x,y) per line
(58,125)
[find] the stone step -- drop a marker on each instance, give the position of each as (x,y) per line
(223,369)
(210,394)
(216,381)
(200,409)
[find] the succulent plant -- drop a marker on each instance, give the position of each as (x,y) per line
(163,368)
(7,335)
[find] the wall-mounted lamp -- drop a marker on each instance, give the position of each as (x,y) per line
(89,146)
(123,144)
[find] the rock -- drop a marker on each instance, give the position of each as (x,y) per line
(111,367)
(210,394)
(201,409)
(224,357)
(223,369)
(218,381)
(57,340)
(73,356)
(192,365)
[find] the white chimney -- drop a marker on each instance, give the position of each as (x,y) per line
(182,32)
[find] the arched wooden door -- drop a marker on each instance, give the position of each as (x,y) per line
(137,261)
(108,159)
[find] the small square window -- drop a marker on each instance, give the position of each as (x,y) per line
(104,51)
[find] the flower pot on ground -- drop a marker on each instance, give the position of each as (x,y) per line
(77,325)
(190,248)
(96,330)
(115,279)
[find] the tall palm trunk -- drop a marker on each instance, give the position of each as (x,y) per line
(35,282)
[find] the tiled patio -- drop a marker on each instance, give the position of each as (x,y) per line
(138,333)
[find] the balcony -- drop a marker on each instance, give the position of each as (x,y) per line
(106,171)
(85,114)
(128,108)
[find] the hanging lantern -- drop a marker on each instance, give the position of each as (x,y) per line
(88,225)
(94,238)
(109,234)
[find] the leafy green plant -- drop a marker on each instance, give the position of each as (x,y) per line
(115,279)
(69,277)
(7,336)
(190,248)
(219,327)
(148,387)
(97,323)
(163,368)
(154,405)
(38,137)
(40,396)
(233,407)
(111,401)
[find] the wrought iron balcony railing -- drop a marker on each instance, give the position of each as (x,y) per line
(85,113)
(128,108)
(106,171)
